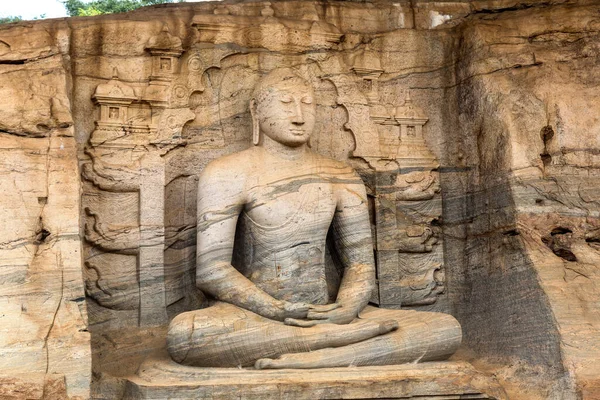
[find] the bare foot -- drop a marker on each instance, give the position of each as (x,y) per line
(315,359)
(264,363)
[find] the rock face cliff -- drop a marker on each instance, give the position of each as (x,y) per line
(44,339)
(474,125)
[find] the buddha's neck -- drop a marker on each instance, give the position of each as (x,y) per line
(282,151)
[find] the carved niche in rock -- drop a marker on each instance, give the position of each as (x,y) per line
(264,215)
(124,185)
(133,228)
(404,182)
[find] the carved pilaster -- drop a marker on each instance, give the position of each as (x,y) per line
(404,182)
(124,188)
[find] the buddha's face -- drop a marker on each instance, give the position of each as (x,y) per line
(286,112)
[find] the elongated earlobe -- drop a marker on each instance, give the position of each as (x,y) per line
(255,125)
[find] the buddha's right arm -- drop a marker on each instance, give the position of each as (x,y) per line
(221,198)
(225,283)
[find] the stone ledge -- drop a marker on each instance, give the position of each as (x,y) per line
(161,378)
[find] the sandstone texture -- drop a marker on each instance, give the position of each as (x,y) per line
(267,218)
(473,125)
(160,377)
(44,331)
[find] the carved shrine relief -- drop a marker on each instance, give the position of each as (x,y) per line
(404,182)
(114,99)
(265,30)
(124,183)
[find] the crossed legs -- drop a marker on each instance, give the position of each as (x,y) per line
(224,335)
(422,336)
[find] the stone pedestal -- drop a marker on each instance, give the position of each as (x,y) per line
(161,378)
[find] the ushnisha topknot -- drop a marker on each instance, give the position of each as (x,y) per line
(275,78)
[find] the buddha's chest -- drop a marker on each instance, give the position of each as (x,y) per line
(296,203)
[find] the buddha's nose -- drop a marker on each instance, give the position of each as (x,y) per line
(298,117)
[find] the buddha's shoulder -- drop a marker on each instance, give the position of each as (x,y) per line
(230,167)
(333,166)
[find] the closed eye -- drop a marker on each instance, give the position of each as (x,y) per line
(307,100)
(286,99)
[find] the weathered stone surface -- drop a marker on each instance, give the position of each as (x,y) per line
(508,90)
(34,386)
(264,218)
(159,377)
(43,321)
(524,99)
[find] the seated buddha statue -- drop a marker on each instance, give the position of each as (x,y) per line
(263,219)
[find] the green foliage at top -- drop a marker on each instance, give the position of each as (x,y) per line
(8,20)
(17,18)
(81,8)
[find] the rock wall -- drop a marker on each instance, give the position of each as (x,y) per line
(527,109)
(44,341)
(474,125)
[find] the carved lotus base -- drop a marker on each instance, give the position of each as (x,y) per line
(161,378)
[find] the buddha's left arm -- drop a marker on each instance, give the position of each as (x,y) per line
(353,242)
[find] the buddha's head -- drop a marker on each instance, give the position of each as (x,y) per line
(283,108)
